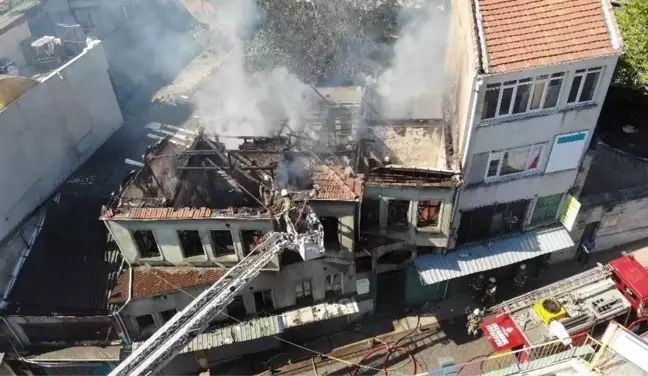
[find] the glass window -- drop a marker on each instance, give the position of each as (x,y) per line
(333,285)
(527,94)
(146,243)
(304,292)
(583,86)
(514,161)
(428,213)
(546,209)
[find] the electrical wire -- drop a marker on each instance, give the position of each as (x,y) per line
(279,338)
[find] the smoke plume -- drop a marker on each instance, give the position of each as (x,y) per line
(237,103)
(417,67)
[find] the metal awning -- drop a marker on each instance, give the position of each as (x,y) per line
(497,253)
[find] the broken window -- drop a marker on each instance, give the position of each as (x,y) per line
(146,243)
(520,96)
(251,239)
(168,314)
(397,214)
(333,285)
(584,85)
(263,301)
(145,321)
(331,232)
(303,292)
(428,213)
(236,308)
(514,161)
(370,213)
(222,242)
(191,243)
(546,209)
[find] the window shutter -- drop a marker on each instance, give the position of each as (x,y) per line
(477,168)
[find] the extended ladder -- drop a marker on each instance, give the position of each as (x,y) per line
(170,339)
(555,290)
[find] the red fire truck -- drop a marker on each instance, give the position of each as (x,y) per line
(583,303)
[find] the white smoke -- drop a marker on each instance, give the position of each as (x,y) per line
(417,68)
(235,103)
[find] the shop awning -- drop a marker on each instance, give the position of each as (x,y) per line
(475,258)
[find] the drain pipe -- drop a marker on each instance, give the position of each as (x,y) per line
(117,315)
(471,120)
(21,261)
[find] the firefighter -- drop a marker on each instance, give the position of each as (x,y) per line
(520,276)
(489,293)
(474,320)
(478,283)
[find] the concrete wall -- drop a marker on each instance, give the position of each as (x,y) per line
(623,217)
(10,43)
(526,129)
(462,65)
(282,286)
(166,235)
(51,129)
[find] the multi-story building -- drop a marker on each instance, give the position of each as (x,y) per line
(528,81)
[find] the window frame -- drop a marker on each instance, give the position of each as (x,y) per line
(439,214)
(270,297)
(302,297)
(582,73)
(139,251)
(331,289)
(398,226)
(182,248)
(215,247)
(515,85)
(163,313)
(499,156)
(147,327)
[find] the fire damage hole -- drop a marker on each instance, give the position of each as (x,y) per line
(395,257)
(222,242)
(146,243)
(263,301)
(236,309)
(191,243)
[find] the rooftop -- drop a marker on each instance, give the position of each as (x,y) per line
(155,281)
(522,34)
(407,154)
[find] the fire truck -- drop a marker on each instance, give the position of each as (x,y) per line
(583,303)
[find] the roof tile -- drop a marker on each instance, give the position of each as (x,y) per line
(153,281)
(169,213)
(522,34)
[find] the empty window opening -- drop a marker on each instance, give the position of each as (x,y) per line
(236,308)
(289,257)
(363,264)
(584,85)
(331,232)
(304,292)
(514,161)
(145,321)
(333,285)
(251,239)
(370,213)
(546,209)
(397,214)
(222,242)
(146,243)
(428,213)
(168,314)
(263,301)
(520,96)
(191,243)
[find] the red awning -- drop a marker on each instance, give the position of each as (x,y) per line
(503,333)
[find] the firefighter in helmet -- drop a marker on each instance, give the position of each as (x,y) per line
(521,276)
(474,320)
(478,283)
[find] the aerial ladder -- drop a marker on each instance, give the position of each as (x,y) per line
(170,339)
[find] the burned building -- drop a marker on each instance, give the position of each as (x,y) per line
(190,213)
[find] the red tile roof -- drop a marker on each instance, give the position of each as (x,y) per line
(169,213)
(335,184)
(523,34)
(153,281)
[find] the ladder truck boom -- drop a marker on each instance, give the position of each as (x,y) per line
(183,327)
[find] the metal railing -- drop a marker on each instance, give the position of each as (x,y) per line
(527,359)
(608,362)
